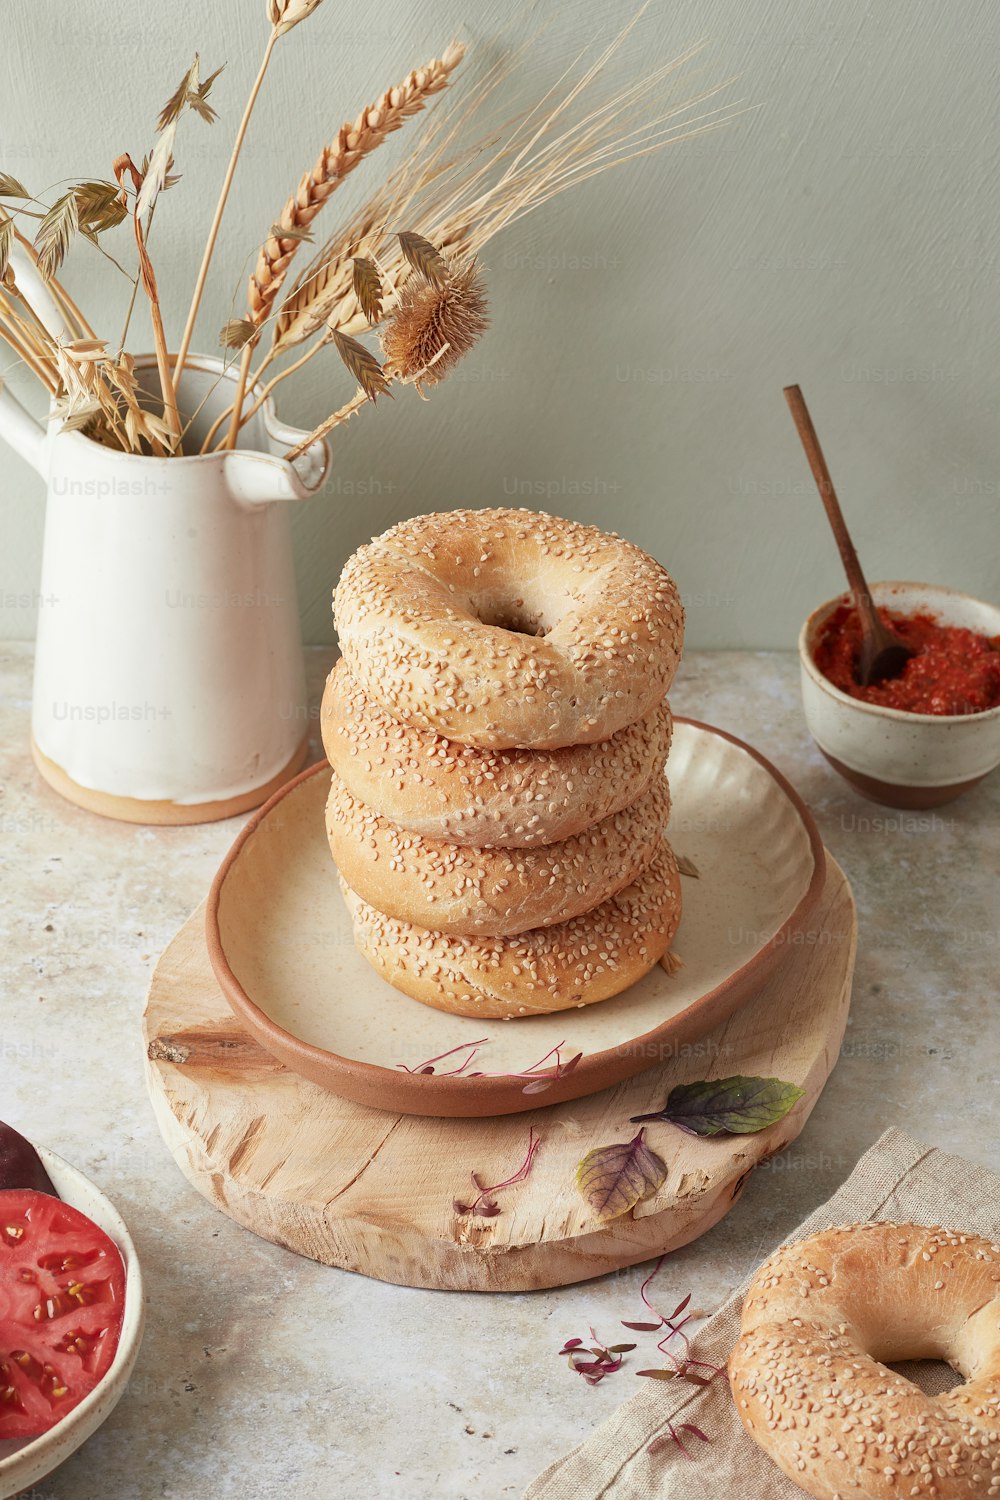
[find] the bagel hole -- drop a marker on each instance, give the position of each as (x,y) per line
(511,614)
(932,1376)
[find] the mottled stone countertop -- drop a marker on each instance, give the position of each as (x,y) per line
(264,1375)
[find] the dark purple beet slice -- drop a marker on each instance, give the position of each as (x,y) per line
(20,1164)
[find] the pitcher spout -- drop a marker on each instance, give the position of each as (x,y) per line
(254,478)
(309,469)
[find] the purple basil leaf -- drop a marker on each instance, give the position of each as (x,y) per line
(690,1427)
(642,1327)
(727,1106)
(614,1179)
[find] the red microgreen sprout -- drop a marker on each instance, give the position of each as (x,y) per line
(539,1085)
(683,1366)
(539,1079)
(428,1067)
(596,1362)
(673,1436)
(484,1204)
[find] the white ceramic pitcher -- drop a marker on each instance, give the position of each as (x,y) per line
(169,684)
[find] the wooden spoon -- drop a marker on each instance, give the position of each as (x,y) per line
(883,654)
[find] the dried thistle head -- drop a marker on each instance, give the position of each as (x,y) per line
(434,326)
(284,14)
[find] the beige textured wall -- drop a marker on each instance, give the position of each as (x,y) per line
(844,235)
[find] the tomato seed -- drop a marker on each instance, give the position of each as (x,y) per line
(72,1262)
(77,1342)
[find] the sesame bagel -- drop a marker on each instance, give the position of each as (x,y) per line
(808,1373)
(509,628)
(451,887)
(575,963)
(489,798)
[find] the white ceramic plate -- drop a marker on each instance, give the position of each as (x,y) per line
(281,944)
(24,1462)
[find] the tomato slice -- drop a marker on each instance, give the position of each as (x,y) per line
(62,1297)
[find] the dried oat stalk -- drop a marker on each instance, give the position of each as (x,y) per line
(419,253)
(368,288)
(284,14)
(127,172)
(363,366)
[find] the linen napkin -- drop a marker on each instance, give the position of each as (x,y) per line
(897,1179)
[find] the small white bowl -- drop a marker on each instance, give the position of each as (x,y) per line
(890,756)
(26,1461)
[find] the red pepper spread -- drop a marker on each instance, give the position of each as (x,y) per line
(955,671)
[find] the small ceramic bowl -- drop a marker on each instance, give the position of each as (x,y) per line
(902,759)
(26,1461)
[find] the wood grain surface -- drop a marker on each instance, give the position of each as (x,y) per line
(372,1191)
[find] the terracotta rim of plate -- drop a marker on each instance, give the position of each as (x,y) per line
(366,1082)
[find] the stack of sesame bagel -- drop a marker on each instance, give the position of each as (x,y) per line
(498,729)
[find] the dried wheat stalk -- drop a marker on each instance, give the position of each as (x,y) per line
(461,204)
(352,144)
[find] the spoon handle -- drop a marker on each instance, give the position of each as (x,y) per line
(852,567)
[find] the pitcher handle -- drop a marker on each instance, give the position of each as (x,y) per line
(26,436)
(312,466)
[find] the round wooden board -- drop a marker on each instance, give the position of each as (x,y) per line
(373,1192)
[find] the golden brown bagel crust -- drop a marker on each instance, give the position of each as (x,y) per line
(806,1373)
(576,963)
(454,888)
(509,628)
(510,799)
